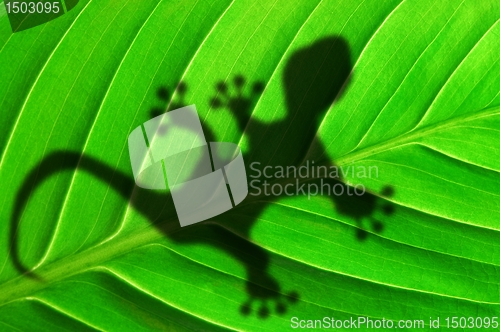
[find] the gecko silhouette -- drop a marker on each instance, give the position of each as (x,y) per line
(313,77)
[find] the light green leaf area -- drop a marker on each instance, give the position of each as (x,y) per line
(420,103)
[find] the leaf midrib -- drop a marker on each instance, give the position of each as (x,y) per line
(413,135)
(407,138)
(22,285)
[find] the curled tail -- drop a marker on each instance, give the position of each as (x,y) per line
(52,164)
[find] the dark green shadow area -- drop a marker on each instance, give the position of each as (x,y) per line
(28,14)
(70,4)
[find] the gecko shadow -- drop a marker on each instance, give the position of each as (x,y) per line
(313,77)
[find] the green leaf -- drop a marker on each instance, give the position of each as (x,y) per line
(407,88)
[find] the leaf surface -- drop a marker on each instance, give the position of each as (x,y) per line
(421,103)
